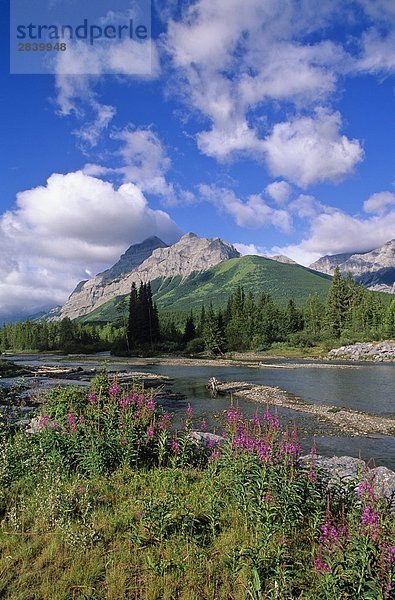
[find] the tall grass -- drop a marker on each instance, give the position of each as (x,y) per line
(106,500)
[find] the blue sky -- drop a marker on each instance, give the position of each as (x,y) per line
(269,123)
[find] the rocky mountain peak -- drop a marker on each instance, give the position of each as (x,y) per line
(131,259)
(375,268)
(151,259)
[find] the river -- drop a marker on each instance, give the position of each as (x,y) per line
(363,386)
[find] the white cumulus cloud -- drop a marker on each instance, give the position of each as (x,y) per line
(61,232)
(379,202)
(308,150)
(254,212)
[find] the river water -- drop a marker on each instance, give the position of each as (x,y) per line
(367,387)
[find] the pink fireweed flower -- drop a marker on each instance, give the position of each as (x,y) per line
(255,421)
(215,455)
(272,422)
(114,389)
(203,425)
(365,490)
(71,420)
(265,452)
(81,419)
(150,405)
(92,398)
(370,522)
(124,402)
(311,476)
(175,446)
(189,411)
(290,449)
(212,444)
(150,432)
(329,538)
(244,441)
(233,416)
(44,421)
(164,422)
(320,566)
(390,551)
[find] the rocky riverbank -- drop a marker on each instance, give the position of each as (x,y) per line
(345,472)
(378,352)
(347,421)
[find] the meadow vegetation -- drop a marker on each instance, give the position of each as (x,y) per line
(108,501)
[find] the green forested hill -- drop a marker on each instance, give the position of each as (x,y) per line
(253,273)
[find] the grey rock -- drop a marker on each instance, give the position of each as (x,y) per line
(341,470)
(383,480)
(375,268)
(345,472)
(281,258)
(204,438)
(34,425)
(380,352)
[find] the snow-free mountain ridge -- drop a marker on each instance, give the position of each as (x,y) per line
(375,269)
(150,260)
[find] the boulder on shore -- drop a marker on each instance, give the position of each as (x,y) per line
(379,352)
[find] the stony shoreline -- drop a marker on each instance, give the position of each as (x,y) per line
(370,351)
(348,421)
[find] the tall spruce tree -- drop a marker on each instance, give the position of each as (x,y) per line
(133,333)
(335,305)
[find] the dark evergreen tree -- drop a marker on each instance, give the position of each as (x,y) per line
(335,306)
(189,329)
(133,333)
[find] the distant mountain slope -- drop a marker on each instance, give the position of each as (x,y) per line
(375,269)
(283,259)
(254,273)
(133,257)
(190,254)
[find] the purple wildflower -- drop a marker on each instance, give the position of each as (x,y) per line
(150,405)
(71,420)
(114,389)
(189,411)
(329,537)
(203,425)
(272,422)
(215,455)
(92,398)
(365,490)
(150,432)
(164,422)
(370,522)
(124,402)
(175,446)
(255,421)
(321,566)
(44,421)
